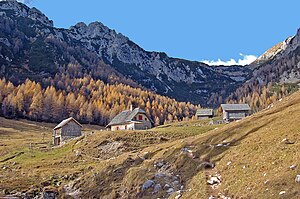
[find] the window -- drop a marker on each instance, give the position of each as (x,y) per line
(140,117)
(145,119)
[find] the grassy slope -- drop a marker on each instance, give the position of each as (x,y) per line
(30,169)
(259,159)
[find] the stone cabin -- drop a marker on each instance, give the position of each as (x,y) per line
(67,129)
(232,112)
(136,119)
(204,114)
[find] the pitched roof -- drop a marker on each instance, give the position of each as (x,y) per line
(204,112)
(66,121)
(126,116)
(235,107)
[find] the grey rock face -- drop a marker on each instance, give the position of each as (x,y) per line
(24,11)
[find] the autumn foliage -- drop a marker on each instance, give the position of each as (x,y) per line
(85,99)
(259,97)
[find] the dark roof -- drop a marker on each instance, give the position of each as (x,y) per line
(126,116)
(66,121)
(235,107)
(204,112)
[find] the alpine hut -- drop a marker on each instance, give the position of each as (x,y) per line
(233,112)
(133,119)
(204,114)
(67,129)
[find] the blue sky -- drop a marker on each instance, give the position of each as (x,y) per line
(191,29)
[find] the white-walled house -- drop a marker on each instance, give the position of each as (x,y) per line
(136,119)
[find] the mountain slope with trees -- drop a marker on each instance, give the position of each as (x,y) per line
(85,99)
(276,74)
(32,48)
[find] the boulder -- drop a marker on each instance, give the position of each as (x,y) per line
(187,150)
(193,155)
(157,188)
(214,180)
(206,165)
(50,193)
(77,153)
(281,192)
(159,175)
(167,186)
(175,183)
(148,184)
(159,164)
(287,141)
(170,190)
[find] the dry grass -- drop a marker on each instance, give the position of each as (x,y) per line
(115,164)
(42,165)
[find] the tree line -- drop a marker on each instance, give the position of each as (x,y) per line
(85,99)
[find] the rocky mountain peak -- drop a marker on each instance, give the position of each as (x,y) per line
(21,10)
(79,28)
(272,52)
(93,30)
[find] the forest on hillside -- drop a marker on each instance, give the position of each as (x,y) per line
(259,97)
(74,92)
(86,99)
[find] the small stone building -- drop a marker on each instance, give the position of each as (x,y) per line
(67,129)
(136,119)
(233,112)
(204,114)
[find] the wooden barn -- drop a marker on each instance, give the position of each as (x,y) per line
(67,129)
(233,112)
(136,119)
(204,113)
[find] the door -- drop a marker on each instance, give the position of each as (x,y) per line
(57,141)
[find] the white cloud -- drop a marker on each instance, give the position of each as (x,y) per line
(246,59)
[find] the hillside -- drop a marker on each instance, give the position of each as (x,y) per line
(31,47)
(256,157)
(86,100)
(276,74)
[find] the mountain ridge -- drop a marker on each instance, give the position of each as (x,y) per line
(31,47)
(178,78)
